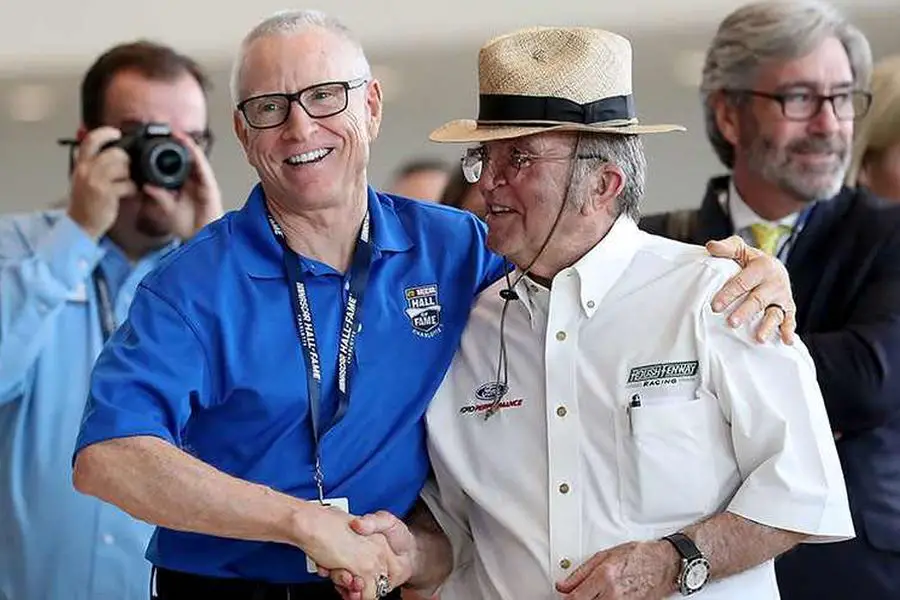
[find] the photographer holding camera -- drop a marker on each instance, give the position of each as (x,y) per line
(140,184)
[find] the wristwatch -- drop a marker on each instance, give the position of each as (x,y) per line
(694,567)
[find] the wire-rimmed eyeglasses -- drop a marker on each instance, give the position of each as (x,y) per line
(802,105)
(477,160)
(319,101)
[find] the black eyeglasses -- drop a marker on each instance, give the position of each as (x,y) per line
(319,101)
(802,105)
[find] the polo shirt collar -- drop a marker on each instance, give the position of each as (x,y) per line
(261,255)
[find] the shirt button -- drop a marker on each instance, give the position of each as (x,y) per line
(565,563)
(108,539)
(564,488)
(590,304)
(561,335)
(561,411)
(82,264)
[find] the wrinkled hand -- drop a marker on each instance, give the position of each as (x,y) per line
(401,541)
(335,547)
(199,201)
(763,281)
(633,571)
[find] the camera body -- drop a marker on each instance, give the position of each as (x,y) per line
(157,157)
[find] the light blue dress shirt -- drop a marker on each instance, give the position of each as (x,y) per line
(55,543)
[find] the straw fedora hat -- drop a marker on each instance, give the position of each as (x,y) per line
(551,79)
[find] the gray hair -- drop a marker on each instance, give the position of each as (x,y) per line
(288,22)
(772,30)
(624,151)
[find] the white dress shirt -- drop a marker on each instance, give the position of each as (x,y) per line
(566,469)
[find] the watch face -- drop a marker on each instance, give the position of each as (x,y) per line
(696,574)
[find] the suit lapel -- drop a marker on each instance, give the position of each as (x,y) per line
(822,220)
(714,223)
(812,248)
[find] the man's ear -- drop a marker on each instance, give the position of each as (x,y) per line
(727,117)
(374,106)
(606,184)
(240,129)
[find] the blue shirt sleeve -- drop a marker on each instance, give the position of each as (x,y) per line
(493,266)
(148,377)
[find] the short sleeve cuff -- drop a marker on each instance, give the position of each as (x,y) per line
(104,425)
(823,519)
(460,539)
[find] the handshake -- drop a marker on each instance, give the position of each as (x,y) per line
(366,557)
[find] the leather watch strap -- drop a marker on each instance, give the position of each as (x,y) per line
(685,546)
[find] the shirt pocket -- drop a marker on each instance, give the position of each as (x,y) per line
(666,472)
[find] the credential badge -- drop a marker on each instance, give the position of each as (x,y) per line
(423,309)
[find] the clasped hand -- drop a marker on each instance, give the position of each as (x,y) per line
(355,552)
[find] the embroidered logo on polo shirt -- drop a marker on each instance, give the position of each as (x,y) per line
(663,374)
(424,309)
(486,394)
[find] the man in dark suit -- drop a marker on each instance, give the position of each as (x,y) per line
(783,84)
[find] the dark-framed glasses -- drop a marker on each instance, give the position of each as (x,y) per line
(319,101)
(802,105)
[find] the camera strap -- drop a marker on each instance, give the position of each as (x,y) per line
(104,304)
(303,318)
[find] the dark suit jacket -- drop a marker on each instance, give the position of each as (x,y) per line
(845,274)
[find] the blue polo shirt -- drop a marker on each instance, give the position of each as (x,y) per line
(210,360)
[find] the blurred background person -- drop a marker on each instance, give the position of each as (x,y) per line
(420,179)
(876,148)
(461,194)
(67,278)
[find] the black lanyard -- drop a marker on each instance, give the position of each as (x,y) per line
(104,304)
(358,278)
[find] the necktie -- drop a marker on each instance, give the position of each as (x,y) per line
(767,236)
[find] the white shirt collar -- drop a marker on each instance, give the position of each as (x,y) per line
(597,271)
(742,216)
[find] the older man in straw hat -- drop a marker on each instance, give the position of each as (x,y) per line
(602,433)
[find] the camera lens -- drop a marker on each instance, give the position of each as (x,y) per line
(167,163)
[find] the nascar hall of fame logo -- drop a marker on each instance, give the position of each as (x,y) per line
(423,309)
(662,374)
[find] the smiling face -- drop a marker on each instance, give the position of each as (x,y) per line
(309,162)
(523,184)
(806,158)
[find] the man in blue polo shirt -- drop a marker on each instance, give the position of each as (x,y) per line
(274,373)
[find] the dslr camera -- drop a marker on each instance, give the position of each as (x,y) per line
(157,157)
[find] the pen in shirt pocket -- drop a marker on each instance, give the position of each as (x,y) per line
(635,402)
